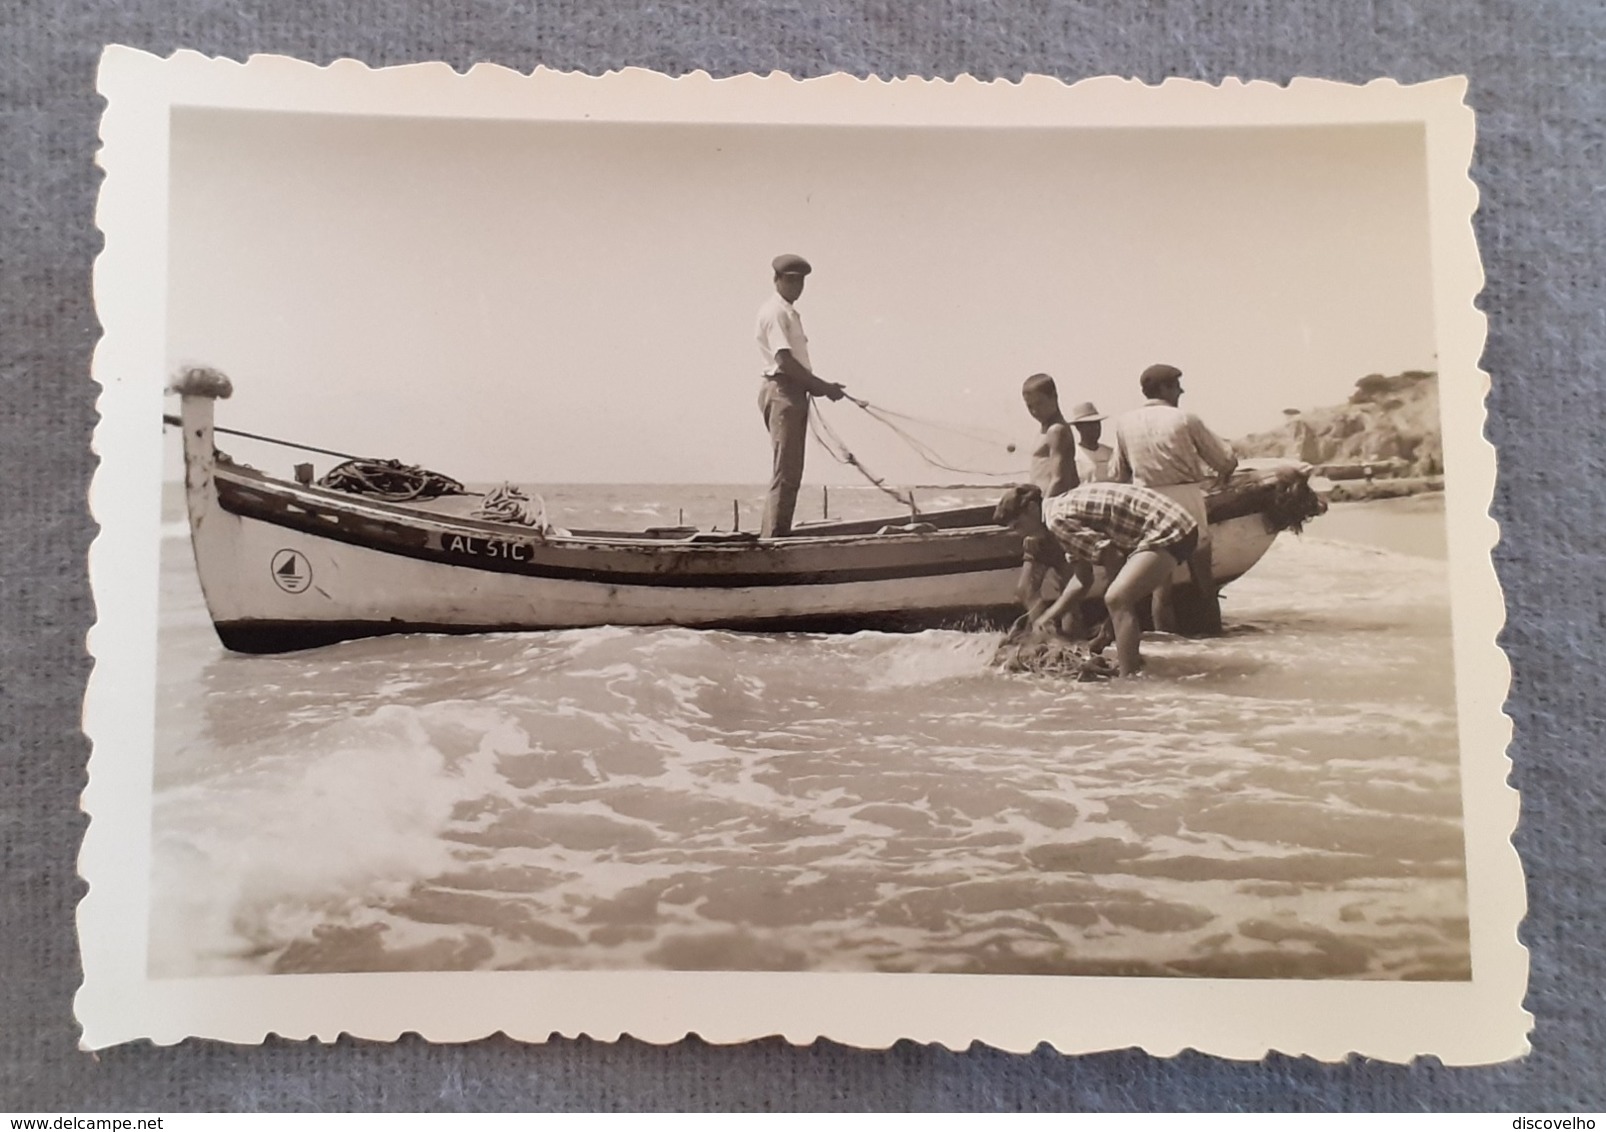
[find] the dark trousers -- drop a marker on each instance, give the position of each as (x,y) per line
(786,415)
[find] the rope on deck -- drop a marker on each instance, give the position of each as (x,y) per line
(390,480)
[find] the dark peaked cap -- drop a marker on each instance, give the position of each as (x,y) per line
(791,265)
(1159,372)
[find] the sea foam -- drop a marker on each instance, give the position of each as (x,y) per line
(343,821)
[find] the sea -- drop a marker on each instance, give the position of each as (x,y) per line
(1280,802)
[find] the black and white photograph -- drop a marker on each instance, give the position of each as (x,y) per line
(1008,544)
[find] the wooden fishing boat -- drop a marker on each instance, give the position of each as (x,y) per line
(285,565)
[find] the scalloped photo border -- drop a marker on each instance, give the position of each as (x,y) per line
(1478,1021)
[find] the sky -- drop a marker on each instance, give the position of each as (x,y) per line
(575,302)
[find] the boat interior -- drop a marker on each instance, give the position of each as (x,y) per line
(462,507)
(959,518)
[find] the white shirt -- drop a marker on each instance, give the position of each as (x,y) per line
(1160,445)
(780,327)
(1093,465)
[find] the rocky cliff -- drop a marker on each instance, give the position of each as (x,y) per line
(1389,422)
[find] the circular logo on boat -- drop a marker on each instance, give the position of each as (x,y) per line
(292,573)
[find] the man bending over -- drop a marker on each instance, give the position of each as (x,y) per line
(1136,535)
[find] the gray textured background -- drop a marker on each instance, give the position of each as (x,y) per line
(1537,73)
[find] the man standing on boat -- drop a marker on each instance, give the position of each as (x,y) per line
(1163,447)
(1137,536)
(783,397)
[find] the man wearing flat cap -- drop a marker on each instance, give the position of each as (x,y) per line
(1163,447)
(783,396)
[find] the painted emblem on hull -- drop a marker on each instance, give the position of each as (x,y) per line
(292,573)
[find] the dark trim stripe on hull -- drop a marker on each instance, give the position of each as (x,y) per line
(411,540)
(290,636)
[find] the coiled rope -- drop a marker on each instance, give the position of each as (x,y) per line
(390,480)
(510,504)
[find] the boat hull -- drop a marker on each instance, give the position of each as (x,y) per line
(339,588)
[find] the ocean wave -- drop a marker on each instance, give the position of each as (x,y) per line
(1283,799)
(342,822)
(922,659)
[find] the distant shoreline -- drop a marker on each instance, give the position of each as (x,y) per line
(1357,491)
(1402,524)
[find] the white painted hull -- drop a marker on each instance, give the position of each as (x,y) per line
(353,583)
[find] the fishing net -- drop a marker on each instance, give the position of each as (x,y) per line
(1045,654)
(390,480)
(826,437)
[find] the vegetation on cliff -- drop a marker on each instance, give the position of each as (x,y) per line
(1389,423)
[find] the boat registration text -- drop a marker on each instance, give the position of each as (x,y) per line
(472,546)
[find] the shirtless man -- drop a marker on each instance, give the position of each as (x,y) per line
(1053,473)
(1054,457)
(1136,535)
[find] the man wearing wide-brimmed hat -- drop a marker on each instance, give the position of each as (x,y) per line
(783,396)
(1092,457)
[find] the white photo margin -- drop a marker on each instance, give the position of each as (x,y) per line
(1478,1021)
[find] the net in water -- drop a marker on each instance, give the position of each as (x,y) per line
(1048,654)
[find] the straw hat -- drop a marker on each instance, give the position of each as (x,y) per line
(1084,414)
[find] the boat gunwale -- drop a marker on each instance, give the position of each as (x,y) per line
(722,542)
(406,533)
